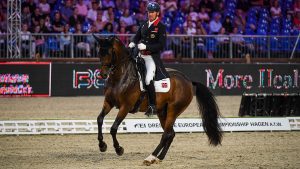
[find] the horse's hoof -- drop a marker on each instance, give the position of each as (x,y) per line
(147,163)
(103,146)
(119,150)
(154,161)
(151,159)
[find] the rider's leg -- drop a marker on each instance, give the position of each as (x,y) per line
(150,66)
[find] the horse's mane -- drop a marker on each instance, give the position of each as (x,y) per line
(130,63)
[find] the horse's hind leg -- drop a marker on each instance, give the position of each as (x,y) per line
(161,150)
(105,110)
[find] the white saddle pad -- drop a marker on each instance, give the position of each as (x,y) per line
(161,86)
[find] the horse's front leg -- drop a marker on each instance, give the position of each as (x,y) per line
(114,129)
(105,110)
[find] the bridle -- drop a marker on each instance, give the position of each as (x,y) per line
(112,65)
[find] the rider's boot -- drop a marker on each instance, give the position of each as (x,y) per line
(152,99)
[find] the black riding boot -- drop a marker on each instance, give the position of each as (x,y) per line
(152,99)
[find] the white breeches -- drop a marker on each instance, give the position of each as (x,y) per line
(150,66)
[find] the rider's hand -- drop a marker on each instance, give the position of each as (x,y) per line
(141,46)
(131,45)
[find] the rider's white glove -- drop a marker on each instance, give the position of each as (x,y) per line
(141,46)
(131,45)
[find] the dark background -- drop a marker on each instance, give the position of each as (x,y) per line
(38,75)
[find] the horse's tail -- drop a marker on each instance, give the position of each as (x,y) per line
(209,111)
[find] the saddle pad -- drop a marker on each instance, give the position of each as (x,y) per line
(161,86)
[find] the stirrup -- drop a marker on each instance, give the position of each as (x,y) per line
(151,110)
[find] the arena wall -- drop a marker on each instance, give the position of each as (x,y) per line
(77,79)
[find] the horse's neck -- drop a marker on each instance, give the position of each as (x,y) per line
(124,75)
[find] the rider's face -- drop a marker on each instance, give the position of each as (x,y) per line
(152,15)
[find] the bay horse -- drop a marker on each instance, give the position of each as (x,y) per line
(123,92)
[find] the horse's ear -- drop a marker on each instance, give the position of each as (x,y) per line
(111,38)
(99,40)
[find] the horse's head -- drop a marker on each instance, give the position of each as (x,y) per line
(108,50)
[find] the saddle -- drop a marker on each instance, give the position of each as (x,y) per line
(160,84)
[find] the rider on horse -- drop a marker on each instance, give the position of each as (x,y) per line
(150,39)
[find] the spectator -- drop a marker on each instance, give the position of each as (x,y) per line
(108,3)
(140,15)
(3,44)
(220,7)
(65,41)
(39,43)
(44,7)
(80,40)
(203,15)
(122,4)
(57,23)
(240,20)
(31,4)
(3,22)
(91,40)
(215,25)
(193,14)
(238,43)
(171,6)
(222,43)
(176,42)
(107,13)
(35,17)
(75,18)
(227,25)
(99,23)
(190,28)
(127,18)
(52,4)
(124,39)
(296,6)
(297,21)
(207,5)
(199,41)
(189,18)
(25,40)
(66,11)
(92,13)
(115,24)
(43,27)
(243,5)
(133,29)
(82,9)
(275,9)
(48,23)
(26,15)
(108,28)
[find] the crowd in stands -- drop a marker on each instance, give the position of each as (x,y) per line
(191,17)
(123,16)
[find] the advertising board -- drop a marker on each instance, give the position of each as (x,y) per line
(25,78)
